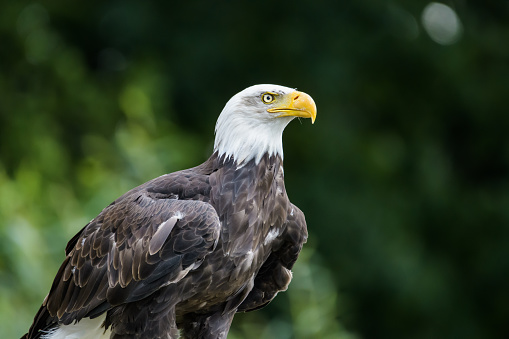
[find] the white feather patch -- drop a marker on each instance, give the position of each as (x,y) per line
(249,258)
(273,233)
(86,329)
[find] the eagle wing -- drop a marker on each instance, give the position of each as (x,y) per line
(275,275)
(134,247)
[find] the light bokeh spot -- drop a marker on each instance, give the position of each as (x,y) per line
(441,23)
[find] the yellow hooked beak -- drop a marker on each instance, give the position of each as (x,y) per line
(296,104)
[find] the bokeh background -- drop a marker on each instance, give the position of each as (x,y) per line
(403,178)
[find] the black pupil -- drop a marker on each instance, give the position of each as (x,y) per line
(268,97)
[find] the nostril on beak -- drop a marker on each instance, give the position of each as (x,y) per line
(296,97)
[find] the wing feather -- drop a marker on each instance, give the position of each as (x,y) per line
(160,236)
(134,247)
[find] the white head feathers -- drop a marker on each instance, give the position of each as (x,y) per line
(245,130)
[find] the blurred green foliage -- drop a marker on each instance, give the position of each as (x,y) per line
(403,178)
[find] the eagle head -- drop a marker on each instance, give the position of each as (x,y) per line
(252,122)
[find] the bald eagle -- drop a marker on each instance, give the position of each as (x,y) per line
(181,254)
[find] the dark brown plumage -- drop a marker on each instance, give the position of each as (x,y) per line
(181,253)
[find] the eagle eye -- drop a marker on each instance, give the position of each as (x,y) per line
(268,98)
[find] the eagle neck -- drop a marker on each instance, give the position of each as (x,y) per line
(265,164)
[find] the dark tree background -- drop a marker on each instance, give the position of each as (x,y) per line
(403,178)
